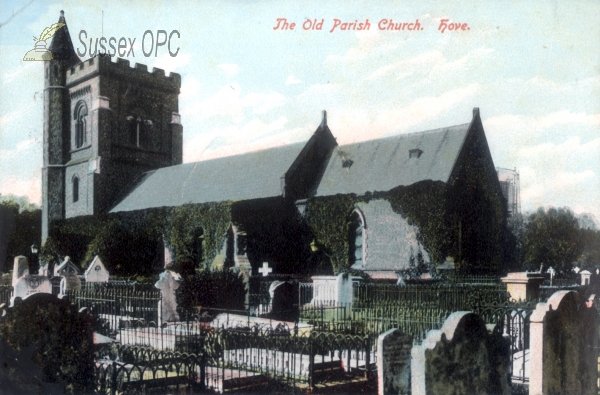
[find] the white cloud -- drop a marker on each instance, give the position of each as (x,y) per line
(229,102)
(171,64)
(430,64)
(190,87)
(230,69)
(261,103)
(571,148)
(230,140)
(369,42)
(562,174)
(30,187)
(291,80)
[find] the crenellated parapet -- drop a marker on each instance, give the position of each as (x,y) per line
(103,65)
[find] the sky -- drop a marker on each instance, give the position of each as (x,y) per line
(533,69)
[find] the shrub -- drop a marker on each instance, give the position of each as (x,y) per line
(62,339)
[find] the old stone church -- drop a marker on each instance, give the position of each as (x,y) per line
(113,148)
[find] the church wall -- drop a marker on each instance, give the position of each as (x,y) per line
(85,200)
(87,94)
(388,239)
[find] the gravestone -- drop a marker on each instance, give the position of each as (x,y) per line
(20,268)
(70,280)
(462,358)
(393,362)
(168,282)
(66,268)
(563,344)
(333,290)
(43,271)
(284,303)
(30,284)
(585,277)
(96,272)
(69,283)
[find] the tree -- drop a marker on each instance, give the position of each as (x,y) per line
(552,238)
(27,228)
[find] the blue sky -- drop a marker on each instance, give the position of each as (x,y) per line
(533,69)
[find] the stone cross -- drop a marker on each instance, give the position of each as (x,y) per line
(265,270)
(552,272)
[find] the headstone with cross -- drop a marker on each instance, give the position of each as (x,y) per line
(552,273)
(96,272)
(265,269)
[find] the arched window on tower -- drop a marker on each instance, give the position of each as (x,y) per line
(356,238)
(75,189)
(80,117)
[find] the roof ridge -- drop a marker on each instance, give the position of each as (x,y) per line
(243,153)
(408,134)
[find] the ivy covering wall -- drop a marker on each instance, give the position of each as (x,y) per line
(436,209)
(423,204)
(131,243)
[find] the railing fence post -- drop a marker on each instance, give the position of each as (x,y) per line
(113,379)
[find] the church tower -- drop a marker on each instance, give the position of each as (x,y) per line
(105,124)
(56,126)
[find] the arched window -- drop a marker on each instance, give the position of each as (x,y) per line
(80,117)
(355,239)
(75,189)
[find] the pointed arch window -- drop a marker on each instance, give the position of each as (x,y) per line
(75,189)
(356,239)
(80,117)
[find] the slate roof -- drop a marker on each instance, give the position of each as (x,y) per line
(247,176)
(383,164)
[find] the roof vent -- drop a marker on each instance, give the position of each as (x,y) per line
(347,162)
(414,153)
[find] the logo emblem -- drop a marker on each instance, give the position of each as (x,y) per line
(40,52)
(34,282)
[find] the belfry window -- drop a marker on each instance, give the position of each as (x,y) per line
(75,189)
(80,117)
(140,130)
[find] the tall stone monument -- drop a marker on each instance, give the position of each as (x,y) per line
(168,282)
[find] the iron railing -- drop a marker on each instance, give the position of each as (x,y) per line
(452,297)
(513,321)
(230,359)
(120,306)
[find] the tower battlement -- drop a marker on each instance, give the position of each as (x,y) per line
(103,65)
